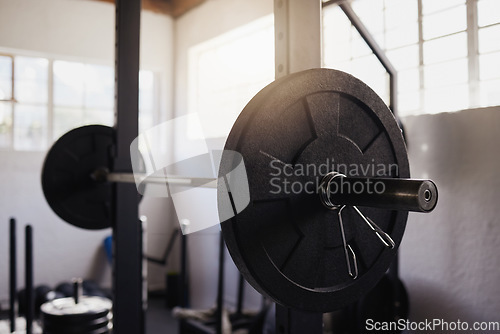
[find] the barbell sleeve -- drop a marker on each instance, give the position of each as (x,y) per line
(415,195)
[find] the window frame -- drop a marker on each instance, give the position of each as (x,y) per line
(472,56)
(50,104)
(11,100)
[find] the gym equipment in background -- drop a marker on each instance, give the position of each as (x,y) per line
(77,314)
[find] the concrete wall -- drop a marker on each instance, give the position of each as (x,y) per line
(79,31)
(209,20)
(449,258)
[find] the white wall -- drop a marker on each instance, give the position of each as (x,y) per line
(450,258)
(81,31)
(209,20)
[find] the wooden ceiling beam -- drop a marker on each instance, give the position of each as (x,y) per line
(182,6)
(174,8)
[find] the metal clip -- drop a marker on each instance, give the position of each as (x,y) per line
(324,190)
(384,237)
(348,251)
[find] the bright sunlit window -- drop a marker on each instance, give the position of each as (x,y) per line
(6,86)
(489,51)
(83,94)
(431,44)
(226,72)
(26,119)
(41,99)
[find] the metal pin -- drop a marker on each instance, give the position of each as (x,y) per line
(384,237)
(77,289)
(348,251)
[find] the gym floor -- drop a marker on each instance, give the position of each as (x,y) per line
(159,318)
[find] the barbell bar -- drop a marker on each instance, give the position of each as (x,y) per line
(76,181)
(102,174)
(384,193)
(335,189)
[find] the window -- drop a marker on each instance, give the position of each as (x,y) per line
(6,87)
(488,12)
(430,43)
(83,94)
(226,72)
(147,100)
(23,110)
(344,48)
(41,99)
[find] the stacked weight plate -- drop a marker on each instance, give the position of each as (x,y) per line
(91,315)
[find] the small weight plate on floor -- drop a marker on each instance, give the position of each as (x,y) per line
(75,320)
(66,177)
(88,308)
(91,314)
(286,243)
(73,328)
(103,330)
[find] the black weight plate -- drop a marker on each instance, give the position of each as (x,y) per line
(103,330)
(88,308)
(286,244)
(90,315)
(75,328)
(75,320)
(66,177)
(69,327)
(65,288)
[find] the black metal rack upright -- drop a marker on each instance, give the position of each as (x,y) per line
(12,275)
(128,305)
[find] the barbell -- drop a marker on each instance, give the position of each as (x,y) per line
(328,180)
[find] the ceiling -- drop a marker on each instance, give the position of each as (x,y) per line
(174,8)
